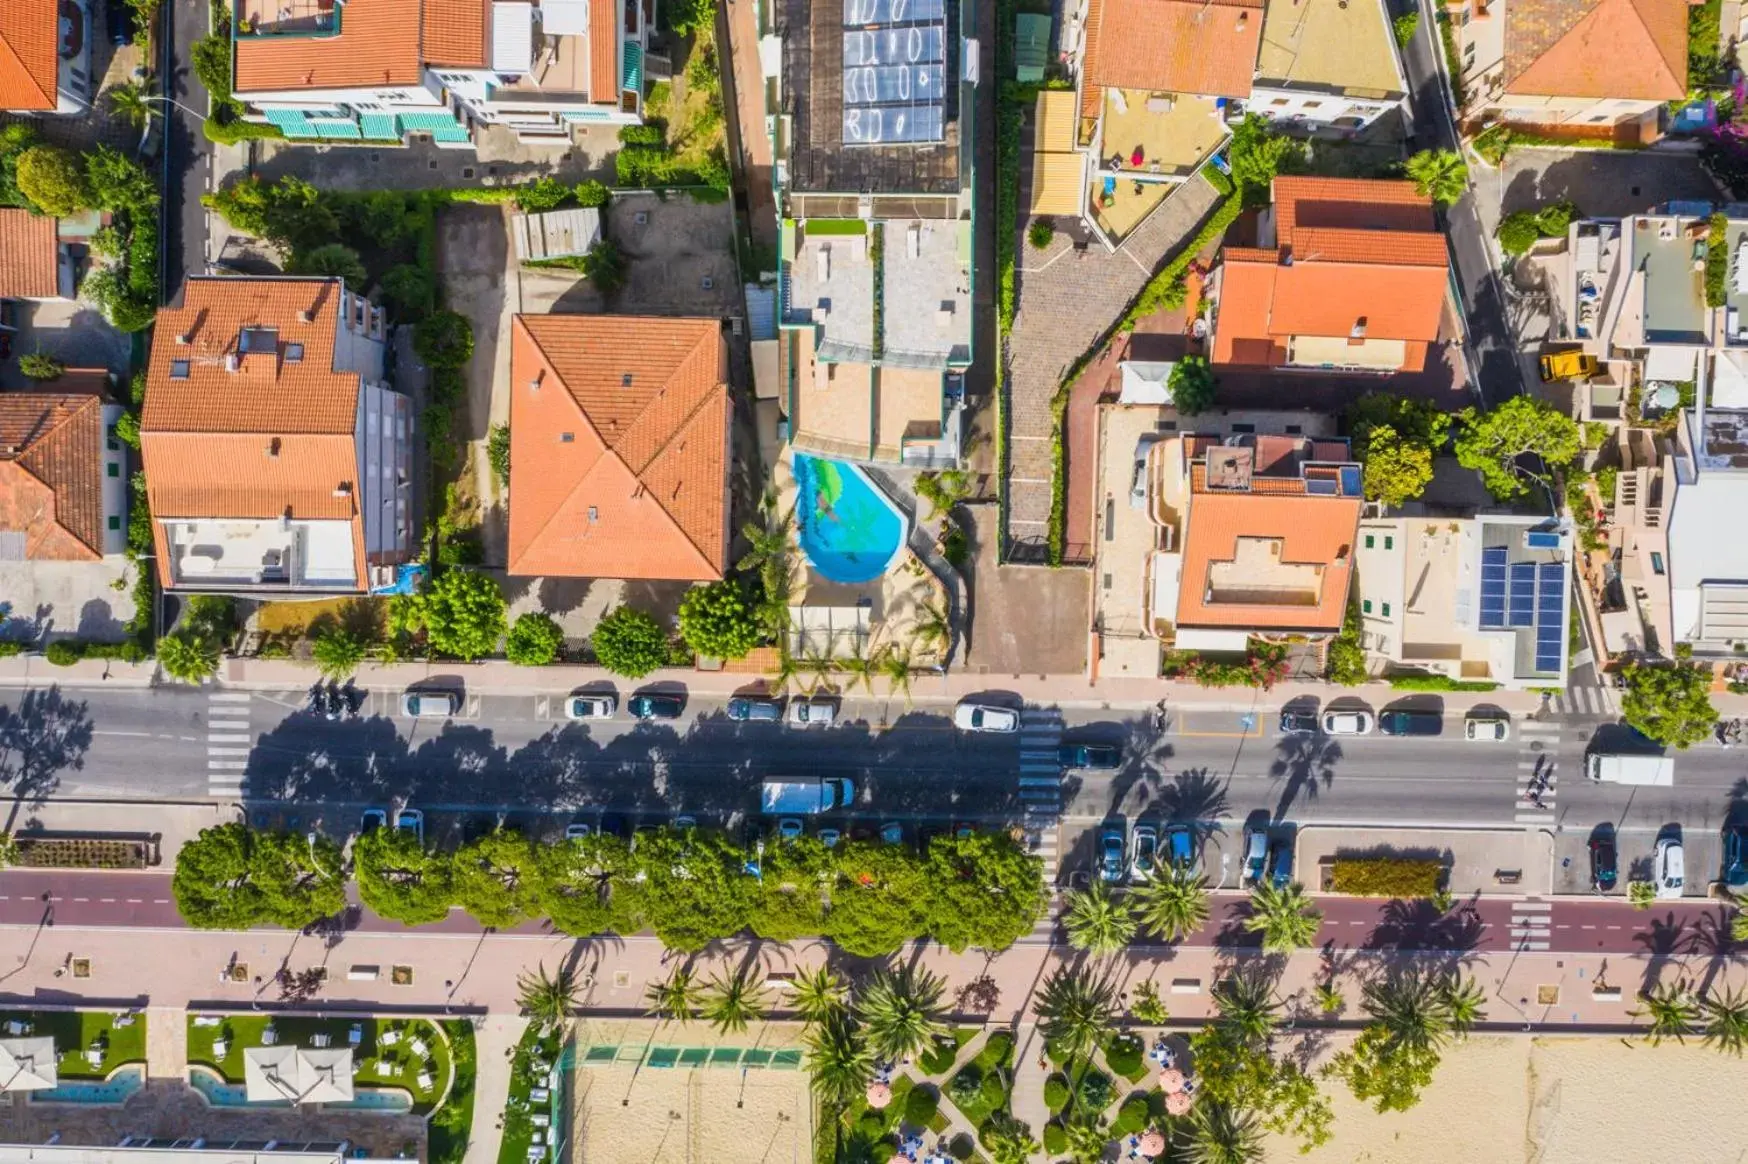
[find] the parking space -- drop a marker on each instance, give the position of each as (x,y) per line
(74,333)
(50,600)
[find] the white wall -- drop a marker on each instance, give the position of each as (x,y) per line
(115,489)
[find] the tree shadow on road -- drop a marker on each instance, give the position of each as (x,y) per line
(1664,940)
(1444,938)
(43,735)
(1305,764)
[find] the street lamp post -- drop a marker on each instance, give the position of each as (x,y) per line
(172,101)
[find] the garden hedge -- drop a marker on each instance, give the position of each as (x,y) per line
(1385,876)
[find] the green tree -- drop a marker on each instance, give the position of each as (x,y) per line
(1412,1010)
(1191,385)
(1173,905)
(1669,704)
(1238,1071)
(443,339)
(1221,1135)
(791,902)
(629,642)
(409,289)
(900,1011)
(1386,1075)
(543,194)
(547,999)
(1257,153)
(1097,921)
(1725,1022)
(879,899)
(337,652)
(461,613)
(232,877)
(720,620)
(187,657)
(839,1061)
(119,183)
(534,640)
(331,261)
(1075,1010)
(605,266)
(579,883)
(494,879)
(590,193)
(818,994)
(1496,443)
(1412,419)
(53,180)
(1518,232)
(1673,1013)
(498,452)
(733,1002)
(1283,916)
(695,890)
(128,101)
(1395,471)
(40,366)
(1440,175)
(400,880)
(676,998)
(1008,1140)
(985,891)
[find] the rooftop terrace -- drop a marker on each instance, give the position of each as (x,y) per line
(1671,254)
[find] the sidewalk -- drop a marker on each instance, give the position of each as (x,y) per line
(170,825)
(494,1038)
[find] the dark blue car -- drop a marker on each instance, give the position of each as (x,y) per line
(1735,856)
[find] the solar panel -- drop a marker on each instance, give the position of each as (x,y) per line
(895,54)
(1493,587)
(893,83)
(1548,646)
(1522,595)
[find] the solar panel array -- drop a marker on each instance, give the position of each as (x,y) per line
(1525,595)
(895,71)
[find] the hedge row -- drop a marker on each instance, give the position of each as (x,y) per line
(1385,876)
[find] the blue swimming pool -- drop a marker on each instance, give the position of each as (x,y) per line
(849,531)
(222,1094)
(115,1089)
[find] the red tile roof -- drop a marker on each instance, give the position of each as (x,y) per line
(1206,47)
(378,44)
(604,50)
(1625,49)
(454,32)
(619,433)
(1313,530)
(30,34)
(51,474)
(30,256)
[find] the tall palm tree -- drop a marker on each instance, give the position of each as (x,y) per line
(839,1060)
(788,668)
(1088,1136)
(547,999)
(1221,1135)
(1440,175)
(1672,1012)
(860,667)
(1173,905)
(934,627)
(128,102)
(1247,1004)
(735,1002)
(818,994)
(820,666)
(1410,1010)
(1009,1140)
(895,663)
(768,537)
(675,1000)
(1098,922)
(1284,918)
(901,1011)
(1462,1003)
(1076,1010)
(1726,1022)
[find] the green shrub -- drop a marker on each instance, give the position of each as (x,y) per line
(590,193)
(1438,683)
(920,1105)
(64,652)
(1095,1091)
(1123,1054)
(1518,232)
(1405,26)
(498,452)
(965,1086)
(444,340)
(1131,1117)
(1041,233)
(10,648)
(649,133)
(542,194)
(1056,1092)
(1717,261)
(40,366)
(938,1059)
(1403,877)
(1055,1139)
(534,641)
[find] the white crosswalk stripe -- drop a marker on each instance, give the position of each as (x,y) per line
(228,740)
(1531,924)
(1040,769)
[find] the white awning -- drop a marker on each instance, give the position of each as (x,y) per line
(512,38)
(28,1064)
(1670,364)
(1729,381)
(1145,382)
(1212,640)
(280,1073)
(564,17)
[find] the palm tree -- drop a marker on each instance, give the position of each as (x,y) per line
(1096,921)
(901,1009)
(675,1000)
(1283,917)
(1726,1022)
(1329,997)
(860,667)
(1462,1002)
(1410,1010)
(1220,1135)
(934,628)
(1440,175)
(735,1002)
(767,540)
(895,665)
(839,1060)
(821,666)
(547,999)
(1247,1005)
(1075,1010)
(128,101)
(1172,905)
(1009,1140)
(1672,1013)
(1087,1139)
(788,669)
(817,995)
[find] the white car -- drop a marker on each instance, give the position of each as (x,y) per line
(1670,868)
(1488,730)
(1347,723)
(983,717)
(591,707)
(429,704)
(812,712)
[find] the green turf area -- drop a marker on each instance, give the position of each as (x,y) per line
(404,1063)
(75,1031)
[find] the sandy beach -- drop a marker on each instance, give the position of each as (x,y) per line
(691,1117)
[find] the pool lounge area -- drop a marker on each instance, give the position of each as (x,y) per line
(849,530)
(116,1089)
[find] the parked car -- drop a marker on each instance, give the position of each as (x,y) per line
(373,819)
(430,704)
(656,705)
(1111,854)
(577,830)
(683,822)
(1603,870)
(591,707)
(1298,723)
(1143,852)
(1670,867)
(790,827)
(1281,862)
(1256,848)
(1347,723)
(1402,722)
(813,712)
(1098,757)
(118,16)
(1138,490)
(892,832)
(985,717)
(1180,847)
(829,837)
(744,709)
(1492,729)
(411,820)
(1735,856)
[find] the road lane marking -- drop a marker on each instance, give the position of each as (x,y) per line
(228,751)
(135,735)
(228,738)
(230,697)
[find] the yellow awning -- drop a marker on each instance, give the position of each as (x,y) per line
(1058,184)
(1055,116)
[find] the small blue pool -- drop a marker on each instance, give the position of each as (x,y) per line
(222,1094)
(115,1089)
(849,531)
(374,1099)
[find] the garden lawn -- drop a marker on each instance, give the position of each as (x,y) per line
(243,1031)
(991,1063)
(295,618)
(74,1031)
(452,1124)
(537,1042)
(939,1059)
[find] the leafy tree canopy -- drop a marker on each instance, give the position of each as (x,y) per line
(696,890)
(495,879)
(461,612)
(629,642)
(1191,385)
(1495,444)
(986,891)
(880,899)
(792,894)
(443,339)
(400,880)
(1395,471)
(535,640)
(1671,705)
(231,877)
(53,180)
(720,620)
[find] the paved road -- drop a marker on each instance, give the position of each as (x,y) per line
(186,148)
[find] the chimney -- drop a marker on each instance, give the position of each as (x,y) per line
(343,489)
(1243,19)
(185,338)
(306,316)
(273,448)
(1358,334)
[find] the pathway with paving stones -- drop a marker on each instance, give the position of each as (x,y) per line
(1065,300)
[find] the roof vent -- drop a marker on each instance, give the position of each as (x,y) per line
(565,438)
(1243,19)
(534,384)
(625,380)
(1359,329)
(594,514)
(273,447)
(306,316)
(343,489)
(231,362)
(185,338)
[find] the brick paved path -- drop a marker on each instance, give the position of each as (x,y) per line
(1065,300)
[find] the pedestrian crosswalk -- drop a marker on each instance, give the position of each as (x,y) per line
(227,742)
(1585,699)
(1537,771)
(1041,766)
(1531,924)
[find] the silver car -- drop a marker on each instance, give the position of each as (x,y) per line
(591,707)
(812,712)
(984,717)
(429,704)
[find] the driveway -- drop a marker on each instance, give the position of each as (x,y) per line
(498,160)
(1024,620)
(679,260)
(1603,183)
(74,333)
(66,599)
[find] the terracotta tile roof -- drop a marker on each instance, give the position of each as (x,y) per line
(1241,332)
(1329,299)
(604,50)
(30,34)
(619,430)
(1348,203)
(378,44)
(29,256)
(1628,49)
(1312,529)
(1206,47)
(454,32)
(51,474)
